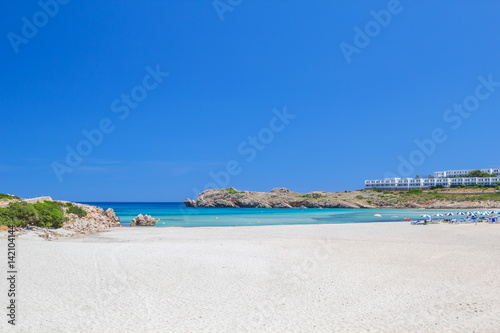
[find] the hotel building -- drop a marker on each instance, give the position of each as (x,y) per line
(450,178)
(462,173)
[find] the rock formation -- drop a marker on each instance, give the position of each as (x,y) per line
(96,220)
(190,203)
(143,220)
(110,213)
(284,198)
(277,198)
(39,199)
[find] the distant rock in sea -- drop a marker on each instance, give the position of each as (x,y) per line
(277,198)
(373,198)
(143,220)
(190,203)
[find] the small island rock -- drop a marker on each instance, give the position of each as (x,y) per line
(143,220)
(190,203)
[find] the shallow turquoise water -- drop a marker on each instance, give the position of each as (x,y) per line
(173,214)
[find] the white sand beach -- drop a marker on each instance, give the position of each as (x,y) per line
(389,277)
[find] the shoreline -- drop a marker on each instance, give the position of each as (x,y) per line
(65,233)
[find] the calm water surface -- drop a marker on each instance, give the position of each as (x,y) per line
(175,214)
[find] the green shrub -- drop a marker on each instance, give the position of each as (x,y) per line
(415,191)
(479,173)
(7,219)
(77,210)
(231,190)
(50,214)
(360,197)
(376,189)
(42,214)
(44,219)
(387,192)
(57,218)
(43,211)
(23,213)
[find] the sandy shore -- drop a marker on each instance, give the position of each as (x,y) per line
(389,277)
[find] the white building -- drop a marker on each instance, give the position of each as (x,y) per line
(442,178)
(462,173)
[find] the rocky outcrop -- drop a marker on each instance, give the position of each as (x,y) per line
(190,203)
(143,220)
(96,220)
(463,205)
(280,190)
(39,199)
(280,204)
(284,198)
(277,198)
(110,213)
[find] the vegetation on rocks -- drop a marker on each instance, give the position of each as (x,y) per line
(231,190)
(70,218)
(41,214)
(77,211)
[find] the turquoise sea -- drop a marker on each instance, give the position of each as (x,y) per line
(175,214)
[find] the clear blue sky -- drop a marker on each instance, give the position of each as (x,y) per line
(352,120)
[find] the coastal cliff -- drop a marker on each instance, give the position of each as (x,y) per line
(284,198)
